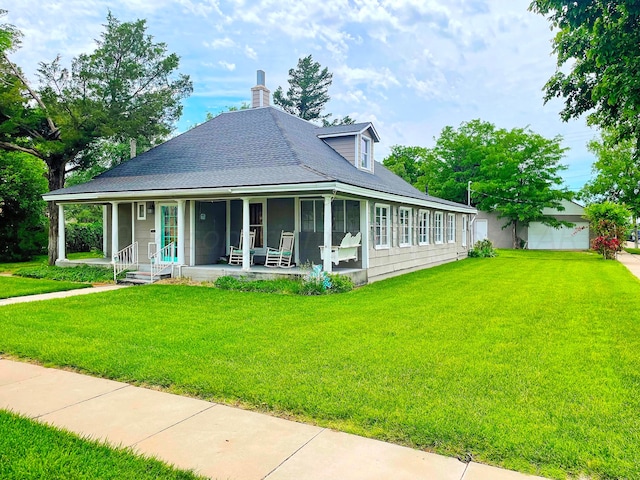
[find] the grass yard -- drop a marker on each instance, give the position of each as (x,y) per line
(529,360)
(33,450)
(18,287)
(41,261)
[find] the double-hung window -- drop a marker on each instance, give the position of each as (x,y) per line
(404,218)
(382,226)
(365,153)
(438,227)
(423,227)
(451,227)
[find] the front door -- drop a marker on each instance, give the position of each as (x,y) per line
(169,232)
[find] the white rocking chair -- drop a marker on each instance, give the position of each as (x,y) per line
(235,253)
(282,256)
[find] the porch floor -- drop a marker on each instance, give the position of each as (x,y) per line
(260,272)
(214,271)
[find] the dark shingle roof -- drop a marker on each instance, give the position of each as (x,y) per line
(261,146)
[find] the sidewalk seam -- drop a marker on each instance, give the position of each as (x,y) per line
(296,451)
(173,425)
(81,401)
(466,467)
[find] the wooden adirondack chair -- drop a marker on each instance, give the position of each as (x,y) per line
(281,257)
(235,253)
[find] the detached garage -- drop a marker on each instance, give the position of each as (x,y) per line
(538,236)
(543,237)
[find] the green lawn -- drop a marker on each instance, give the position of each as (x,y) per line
(530,360)
(41,261)
(32,450)
(17,287)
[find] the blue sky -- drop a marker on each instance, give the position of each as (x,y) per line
(411,67)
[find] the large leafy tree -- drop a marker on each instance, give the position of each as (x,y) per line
(598,62)
(127,88)
(308,93)
(520,177)
(616,173)
(515,173)
(22,222)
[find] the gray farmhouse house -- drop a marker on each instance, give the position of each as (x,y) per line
(262,172)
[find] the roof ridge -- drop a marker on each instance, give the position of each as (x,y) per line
(285,137)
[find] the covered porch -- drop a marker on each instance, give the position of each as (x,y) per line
(194,236)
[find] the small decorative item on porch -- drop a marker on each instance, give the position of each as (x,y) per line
(319,277)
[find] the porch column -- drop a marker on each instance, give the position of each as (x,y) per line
(181,231)
(62,241)
(114,229)
(296,229)
(105,240)
(246,242)
(192,232)
(326,266)
(365,229)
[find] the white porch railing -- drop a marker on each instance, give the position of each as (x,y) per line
(162,259)
(125,259)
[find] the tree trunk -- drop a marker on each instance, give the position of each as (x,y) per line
(635,227)
(514,234)
(56,180)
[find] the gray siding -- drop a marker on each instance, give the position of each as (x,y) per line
(501,238)
(145,234)
(396,260)
(124,225)
(345,146)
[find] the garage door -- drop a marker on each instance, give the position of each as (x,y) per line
(542,237)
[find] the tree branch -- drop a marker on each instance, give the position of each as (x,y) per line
(54,130)
(10,147)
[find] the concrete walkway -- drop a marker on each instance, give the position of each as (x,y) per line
(217,440)
(65,294)
(632,262)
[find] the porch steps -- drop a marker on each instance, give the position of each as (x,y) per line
(142,278)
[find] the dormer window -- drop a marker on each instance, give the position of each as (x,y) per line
(365,153)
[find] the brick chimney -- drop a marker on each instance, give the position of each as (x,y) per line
(260,93)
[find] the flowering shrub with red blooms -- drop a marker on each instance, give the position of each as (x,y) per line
(606,246)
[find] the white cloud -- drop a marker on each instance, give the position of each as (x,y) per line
(219,43)
(369,77)
(227,66)
(412,66)
(250,52)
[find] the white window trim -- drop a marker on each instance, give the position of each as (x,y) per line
(409,212)
(143,211)
(369,143)
(465,227)
(426,215)
(263,201)
(438,228)
(375,222)
(451,228)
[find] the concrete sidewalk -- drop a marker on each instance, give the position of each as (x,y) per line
(64,294)
(632,262)
(216,440)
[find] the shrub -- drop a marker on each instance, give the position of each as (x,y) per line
(83,237)
(482,249)
(610,223)
(319,285)
(607,247)
(340,283)
(83,273)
